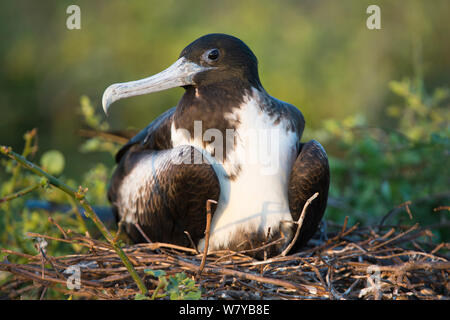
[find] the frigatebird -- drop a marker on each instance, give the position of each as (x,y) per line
(227,140)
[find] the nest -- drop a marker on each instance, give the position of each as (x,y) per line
(344,263)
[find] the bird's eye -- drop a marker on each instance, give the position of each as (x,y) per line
(213,54)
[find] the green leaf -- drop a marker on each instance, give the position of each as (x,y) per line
(181,287)
(193,295)
(140,296)
(155,273)
(175,295)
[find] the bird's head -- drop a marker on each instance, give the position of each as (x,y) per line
(209,60)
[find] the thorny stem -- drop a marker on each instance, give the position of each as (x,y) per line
(22,192)
(89,212)
(26,151)
(29,135)
(77,214)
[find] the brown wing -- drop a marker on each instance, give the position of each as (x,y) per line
(310,174)
(139,143)
(168,194)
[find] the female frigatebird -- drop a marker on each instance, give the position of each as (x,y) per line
(227,140)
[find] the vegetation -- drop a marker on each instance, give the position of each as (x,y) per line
(373,171)
(404,162)
(388,140)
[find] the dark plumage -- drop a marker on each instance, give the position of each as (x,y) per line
(175,203)
(310,174)
(156,189)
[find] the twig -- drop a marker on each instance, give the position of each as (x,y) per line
(207,234)
(15,173)
(396,210)
(411,266)
(408,210)
(119,230)
(439,247)
(104,135)
(21,193)
(264,246)
(414,227)
(344,226)
(158,245)
(138,227)
(44,290)
(188,235)
(26,151)
(78,214)
(89,212)
(49,260)
(20,254)
(299,224)
(317,272)
(52,221)
(441,208)
(350,288)
(250,276)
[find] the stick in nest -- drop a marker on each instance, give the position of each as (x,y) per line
(188,235)
(299,224)
(207,234)
(138,227)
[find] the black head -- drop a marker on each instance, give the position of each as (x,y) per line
(212,60)
(228,57)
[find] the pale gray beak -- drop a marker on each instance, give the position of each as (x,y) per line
(179,74)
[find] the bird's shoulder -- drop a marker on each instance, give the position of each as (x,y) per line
(155,136)
(288,113)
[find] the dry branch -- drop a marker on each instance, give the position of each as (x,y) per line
(299,224)
(367,265)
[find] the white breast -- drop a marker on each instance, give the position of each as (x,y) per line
(256,199)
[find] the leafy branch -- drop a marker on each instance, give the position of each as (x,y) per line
(24,191)
(78,196)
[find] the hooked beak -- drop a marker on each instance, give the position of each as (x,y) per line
(179,74)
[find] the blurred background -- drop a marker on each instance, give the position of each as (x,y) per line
(378,100)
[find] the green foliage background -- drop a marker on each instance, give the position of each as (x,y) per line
(378,100)
(317,55)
